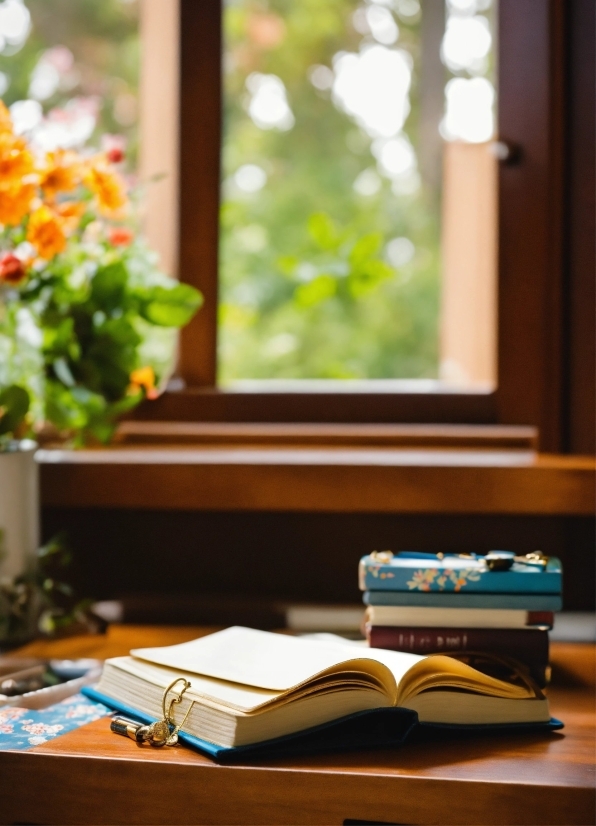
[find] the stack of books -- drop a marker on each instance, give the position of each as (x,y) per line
(500,605)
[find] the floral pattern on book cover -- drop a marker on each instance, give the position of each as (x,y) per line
(431,579)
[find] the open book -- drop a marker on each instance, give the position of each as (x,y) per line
(252,686)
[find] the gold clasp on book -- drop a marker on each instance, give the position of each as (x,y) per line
(162,732)
(384,557)
(168,715)
(498,562)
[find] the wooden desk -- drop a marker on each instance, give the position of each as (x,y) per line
(91,776)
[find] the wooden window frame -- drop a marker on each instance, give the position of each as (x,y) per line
(532,321)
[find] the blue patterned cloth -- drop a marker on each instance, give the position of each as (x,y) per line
(22,728)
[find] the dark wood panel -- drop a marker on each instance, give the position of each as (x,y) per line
(318,480)
(238,566)
(205,405)
(581,228)
(531,117)
(200,136)
(327,435)
(507,779)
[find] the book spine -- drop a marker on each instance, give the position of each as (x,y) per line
(393,616)
(523,602)
(526,644)
(529,646)
(375,576)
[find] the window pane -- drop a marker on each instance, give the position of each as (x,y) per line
(345,122)
(76,62)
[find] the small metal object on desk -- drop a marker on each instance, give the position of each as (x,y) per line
(128,728)
(162,732)
(496,561)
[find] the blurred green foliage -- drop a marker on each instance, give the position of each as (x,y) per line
(306,287)
(307,290)
(86,335)
(14,406)
(103,312)
(76,330)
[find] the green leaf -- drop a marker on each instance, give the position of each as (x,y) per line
(56,551)
(126,403)
(323,231)
(365,279)
(62,409)
(319,289)
(108,288)
(171,306)
(14,405)
(365,248)
(288,263)
(59,337)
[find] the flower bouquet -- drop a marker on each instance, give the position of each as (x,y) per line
(87,320)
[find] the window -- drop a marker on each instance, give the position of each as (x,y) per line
(180,93)
(349,127)
(530,333)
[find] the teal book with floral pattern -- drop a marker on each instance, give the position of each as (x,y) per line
(500,572)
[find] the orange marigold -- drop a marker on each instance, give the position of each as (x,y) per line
(46,232)
(15,201)
(108,187)
(70,212)
(5,118)
(143,379)
(15,159)
(61,173)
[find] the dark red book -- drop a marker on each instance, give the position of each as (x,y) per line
(528,645)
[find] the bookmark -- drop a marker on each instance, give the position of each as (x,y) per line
(163,732)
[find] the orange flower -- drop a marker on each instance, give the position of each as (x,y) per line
(15,200)
(12,269)
(61,173)
(46,232)
(143,379)
(70,212)
(15,159)
(108,188)
(5,118)
(121,236)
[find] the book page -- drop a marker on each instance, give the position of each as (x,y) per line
(272,661)
(215,693)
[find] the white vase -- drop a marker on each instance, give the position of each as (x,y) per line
(19,508)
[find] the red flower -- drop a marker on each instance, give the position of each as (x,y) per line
(120,236)
(12,269)
(115,154)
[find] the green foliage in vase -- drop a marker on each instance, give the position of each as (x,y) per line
(104,315)
(87,319)
(14,406)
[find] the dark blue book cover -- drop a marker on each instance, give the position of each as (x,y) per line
(376,728)
(522,602)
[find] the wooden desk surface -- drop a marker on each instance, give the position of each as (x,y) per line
(91,776)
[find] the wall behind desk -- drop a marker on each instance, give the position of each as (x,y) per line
(301,557)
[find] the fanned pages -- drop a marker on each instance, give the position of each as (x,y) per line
(248,686)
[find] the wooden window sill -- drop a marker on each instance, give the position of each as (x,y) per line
(236,471)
